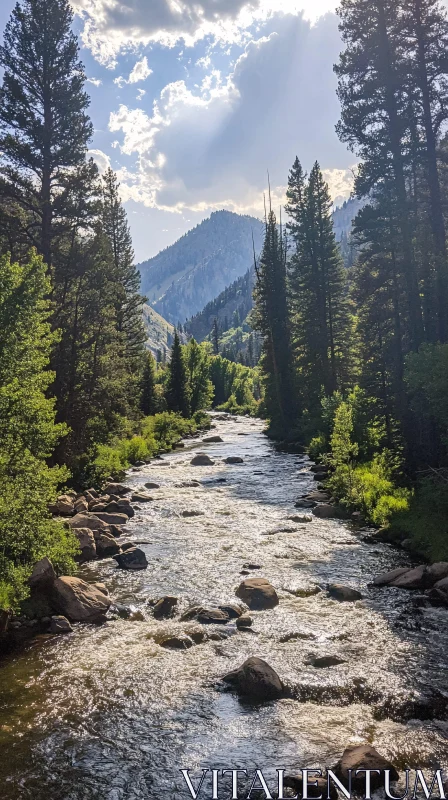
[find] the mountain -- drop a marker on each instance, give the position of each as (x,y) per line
(232,305)
(160,333)
(184,277)
(230,308)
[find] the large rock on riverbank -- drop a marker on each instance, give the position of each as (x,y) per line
(133,559)
(90,521)
(362,757)
(257,593)
(77,600)
(257,679)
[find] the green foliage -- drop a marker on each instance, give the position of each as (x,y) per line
(177,390)
(155,434)
(317,447)
(235,387)
(28,433)
(425,521)
(149,401)
(197,360)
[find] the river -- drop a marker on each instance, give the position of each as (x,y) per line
(106,713)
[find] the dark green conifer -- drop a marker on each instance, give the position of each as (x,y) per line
(44,127)
(271,318)
(148,396)
(177,395)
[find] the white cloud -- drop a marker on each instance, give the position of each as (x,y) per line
(94,81)
(111,26)
(101,159)
(210,147)
(140,93)
(140,72)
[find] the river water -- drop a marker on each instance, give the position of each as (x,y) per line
(106,713)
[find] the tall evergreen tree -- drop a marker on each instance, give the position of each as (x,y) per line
(376,117)
(426,37)
(177,395)
(44,127)
(148,396)
(271,318)
(318,288)
(129,301)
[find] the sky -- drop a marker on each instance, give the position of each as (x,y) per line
(194,101)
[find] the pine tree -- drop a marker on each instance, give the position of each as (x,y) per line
(44,128)
(129,301)
(148,395)
(177,396)
(271,318)
(426,32)
(215,337)
(318,288)
(377,117)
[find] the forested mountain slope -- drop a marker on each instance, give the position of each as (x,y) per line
(184,277)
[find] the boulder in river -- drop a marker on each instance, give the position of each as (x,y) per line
(362,757)
(437,572)
(300,518)
(304,503)
(59,624)
(165,607)
(112,519)
(106,545)
(439,593)
(244,621)
(212,439)
(322,662)
(152,485)
(325,511)
(257,679)
(87,545)
(345,594)
(116,488)
(77,600)
(201,460)
(176,642)
(133,559)
(212,616)
(43,575)
(257,593)
(234,460)
(187,485)
(232,610)
(411,579)
(318,497)
(141,497)
(386,578)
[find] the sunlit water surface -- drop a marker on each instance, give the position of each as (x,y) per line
(108,714)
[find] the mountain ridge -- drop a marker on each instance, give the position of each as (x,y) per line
(181,279)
